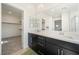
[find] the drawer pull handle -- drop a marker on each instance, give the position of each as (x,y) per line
(58,51)
(62,52)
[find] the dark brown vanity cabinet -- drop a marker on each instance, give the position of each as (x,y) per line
(32,42)
(51,46)
(37,43)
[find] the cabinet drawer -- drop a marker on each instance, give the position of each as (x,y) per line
(68,52)
(41,50)
(41,41)
(41,37)
(54,41)
(71,46)
(64,44)
(52,49)
(41,44)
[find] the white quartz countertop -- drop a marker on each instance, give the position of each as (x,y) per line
(57,36)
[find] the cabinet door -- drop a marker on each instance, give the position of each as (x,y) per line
(68,52)
(34,42)
(30,40)
(52,49)
(41,50)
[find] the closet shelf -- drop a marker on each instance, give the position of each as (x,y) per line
(20,28)
(11,23)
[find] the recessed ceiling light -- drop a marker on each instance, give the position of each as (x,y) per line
(9,12)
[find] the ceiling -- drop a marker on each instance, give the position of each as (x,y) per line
(50,9)
(55,9)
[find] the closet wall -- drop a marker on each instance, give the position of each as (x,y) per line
(0,28)
(10,26)
(11,23)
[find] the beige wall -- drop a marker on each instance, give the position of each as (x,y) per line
(10,30)
(0,28)
(28,11)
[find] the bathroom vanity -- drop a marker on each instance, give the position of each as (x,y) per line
(55,33)
(49,44)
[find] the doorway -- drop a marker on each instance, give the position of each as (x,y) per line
(11,29)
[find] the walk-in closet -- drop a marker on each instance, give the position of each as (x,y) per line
(11,29)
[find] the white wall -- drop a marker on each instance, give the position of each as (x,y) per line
(77,24)
(48,21)
(65,22)
(76,19)
(68,22)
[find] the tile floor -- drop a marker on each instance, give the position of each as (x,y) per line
(13,45)
(26,51)
(30,52)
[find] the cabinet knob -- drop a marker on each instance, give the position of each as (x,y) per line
(62,52)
